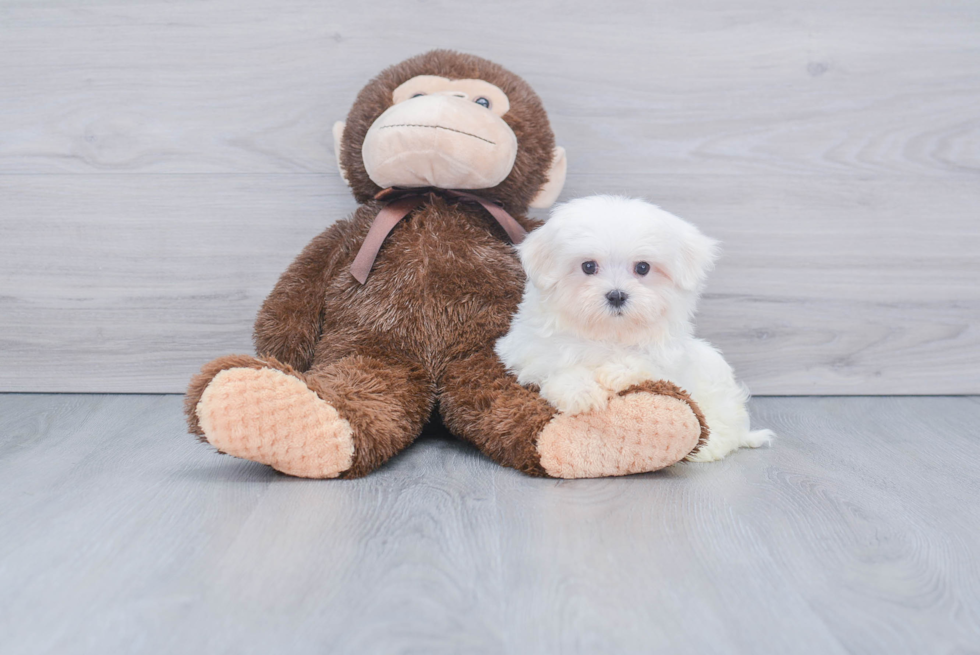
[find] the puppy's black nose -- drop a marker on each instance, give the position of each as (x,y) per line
(617,298)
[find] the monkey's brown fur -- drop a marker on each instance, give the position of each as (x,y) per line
(419,335)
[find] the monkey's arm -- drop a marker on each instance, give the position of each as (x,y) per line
(289,323)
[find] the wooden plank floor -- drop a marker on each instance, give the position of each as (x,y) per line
(856,532)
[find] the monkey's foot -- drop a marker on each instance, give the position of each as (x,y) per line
(268,416)
(644,428)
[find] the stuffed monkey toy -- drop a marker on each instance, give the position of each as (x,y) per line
(392,314)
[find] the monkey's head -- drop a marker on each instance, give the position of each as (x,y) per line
(452,121)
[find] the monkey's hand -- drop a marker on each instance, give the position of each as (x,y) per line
(288,324)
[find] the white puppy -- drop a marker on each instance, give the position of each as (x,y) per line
(611,290)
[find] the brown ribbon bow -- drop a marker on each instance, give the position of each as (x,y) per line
(405,201)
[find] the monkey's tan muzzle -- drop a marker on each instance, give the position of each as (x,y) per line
(441,141)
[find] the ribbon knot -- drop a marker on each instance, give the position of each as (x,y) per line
(402,202)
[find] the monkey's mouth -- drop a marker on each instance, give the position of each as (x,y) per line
(439,127)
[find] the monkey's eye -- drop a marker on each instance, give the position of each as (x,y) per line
(483,102)
(418,95)
(641,268)
(590,267)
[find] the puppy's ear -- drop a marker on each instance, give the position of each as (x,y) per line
(538,258)
(696,258)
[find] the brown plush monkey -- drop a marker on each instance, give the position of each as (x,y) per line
(347,373)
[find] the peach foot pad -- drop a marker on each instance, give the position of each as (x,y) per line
(635,433)
(267,416)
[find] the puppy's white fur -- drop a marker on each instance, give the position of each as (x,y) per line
(572,342)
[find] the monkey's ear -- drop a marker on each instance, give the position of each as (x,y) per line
(556,181)
(338,135)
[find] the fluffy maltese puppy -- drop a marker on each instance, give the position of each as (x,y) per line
(612,284)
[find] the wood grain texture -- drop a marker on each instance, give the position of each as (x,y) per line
(161,163)
(855,532)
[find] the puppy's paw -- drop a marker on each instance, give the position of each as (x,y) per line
(757,438)
(722,443)
(616,377)
(575,396)
(585,400)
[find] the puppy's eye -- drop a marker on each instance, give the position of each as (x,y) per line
(641,268)
(483,102)
(418,95)
(590,267)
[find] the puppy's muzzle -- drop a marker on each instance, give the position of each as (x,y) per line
(617,298)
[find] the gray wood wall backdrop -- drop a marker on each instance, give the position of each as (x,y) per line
(161,163)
